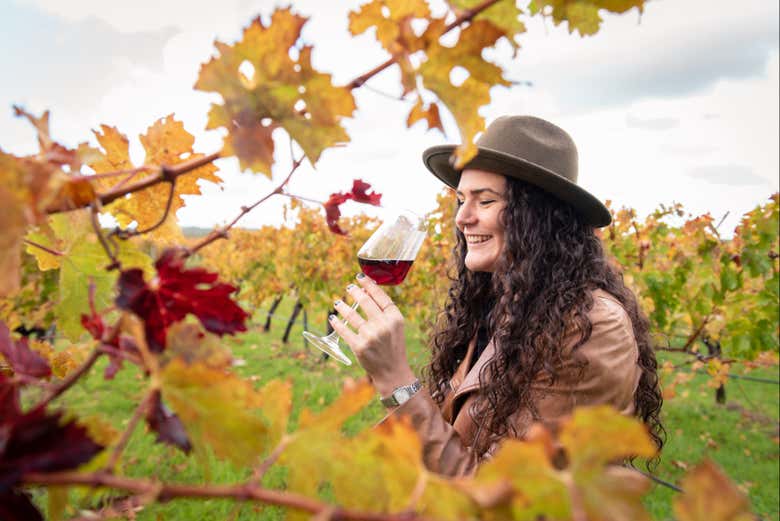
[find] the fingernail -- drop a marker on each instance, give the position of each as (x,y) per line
(361,276)
(350,287)
(337,303)
(331,317)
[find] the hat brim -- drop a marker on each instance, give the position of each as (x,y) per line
(593,211)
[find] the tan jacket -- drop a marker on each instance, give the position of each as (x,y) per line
(611,376)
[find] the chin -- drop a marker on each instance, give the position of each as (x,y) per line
(479,265)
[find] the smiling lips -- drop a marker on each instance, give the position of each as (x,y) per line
(477,239)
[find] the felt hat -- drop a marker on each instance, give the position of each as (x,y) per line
(532,150)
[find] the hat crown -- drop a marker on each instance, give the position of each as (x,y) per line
(534,140)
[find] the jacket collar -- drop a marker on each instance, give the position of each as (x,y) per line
(465,380)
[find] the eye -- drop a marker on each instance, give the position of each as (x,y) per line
(487,202)
(460,203)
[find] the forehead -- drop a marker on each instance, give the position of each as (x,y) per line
(473,179)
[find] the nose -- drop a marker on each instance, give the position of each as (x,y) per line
(465,216)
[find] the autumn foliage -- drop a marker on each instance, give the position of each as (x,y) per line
(140,294)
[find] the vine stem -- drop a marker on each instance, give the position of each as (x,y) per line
(44,248)
(163,173)
(696,333)
(222,233)
(71,378)
(139,412)
(244,492)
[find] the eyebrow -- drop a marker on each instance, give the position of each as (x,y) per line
(478,191)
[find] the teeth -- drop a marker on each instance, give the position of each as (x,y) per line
(476,239)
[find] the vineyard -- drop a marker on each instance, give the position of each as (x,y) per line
(143,374)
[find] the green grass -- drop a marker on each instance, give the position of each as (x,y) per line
(741,436)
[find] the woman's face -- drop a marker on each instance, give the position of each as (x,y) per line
(482,198)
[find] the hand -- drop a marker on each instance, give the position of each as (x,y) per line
(378,339)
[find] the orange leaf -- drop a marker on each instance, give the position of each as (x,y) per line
(710,496)
(430,115)
(277,90)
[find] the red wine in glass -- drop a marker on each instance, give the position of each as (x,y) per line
(385,272)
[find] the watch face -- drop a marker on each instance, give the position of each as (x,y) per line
(401,395)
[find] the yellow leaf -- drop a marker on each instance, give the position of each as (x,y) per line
(537,488)
(279,91)
(465,100)
(710,496)
(353,398)
(276,403)
(388,459)
(218,410)
(503,14)
(595,437)
(583,15)
(318,446)
(166,142)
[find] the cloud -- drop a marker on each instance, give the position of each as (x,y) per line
(733,175)
(651,123)
(54,62)
(675,49)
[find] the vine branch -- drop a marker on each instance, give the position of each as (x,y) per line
(222,233)
(71,378)
(243,492)
(44,248)
(163,173)
(139,413)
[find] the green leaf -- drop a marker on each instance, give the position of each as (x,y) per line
(85,264)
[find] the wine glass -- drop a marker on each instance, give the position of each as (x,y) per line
(386,257)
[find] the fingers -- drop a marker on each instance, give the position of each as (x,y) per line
(367,304)
(349,314)
(380,298)
(343,330)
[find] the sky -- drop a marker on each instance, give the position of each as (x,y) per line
(676,104)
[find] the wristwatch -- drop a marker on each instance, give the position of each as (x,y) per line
(401,395)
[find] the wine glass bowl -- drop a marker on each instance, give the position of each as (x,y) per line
(387,255)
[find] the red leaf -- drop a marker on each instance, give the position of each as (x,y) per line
(22,359)
(36,441)
(16,505)
(167,425)
(93,322)
(332,212)
(9,401)
(361,195)
(174,293)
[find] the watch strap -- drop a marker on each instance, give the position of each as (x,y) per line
(401,394)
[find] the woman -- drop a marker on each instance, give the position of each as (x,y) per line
(537,321)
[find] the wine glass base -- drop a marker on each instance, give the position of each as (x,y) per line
(328,347)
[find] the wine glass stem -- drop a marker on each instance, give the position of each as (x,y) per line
(334,336)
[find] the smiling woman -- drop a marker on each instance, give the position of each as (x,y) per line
(537,323)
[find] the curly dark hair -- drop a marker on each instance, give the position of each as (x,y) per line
(553,260)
